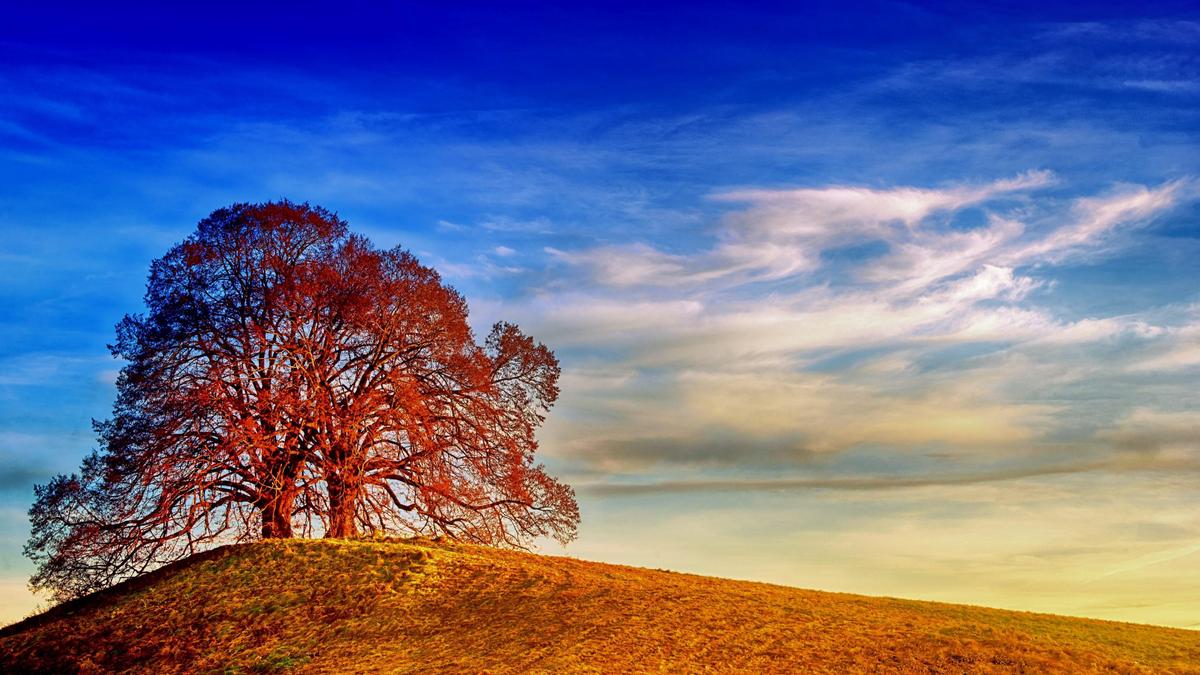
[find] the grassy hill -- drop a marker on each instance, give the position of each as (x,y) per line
(362,606)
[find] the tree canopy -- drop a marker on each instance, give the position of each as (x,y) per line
(289,378)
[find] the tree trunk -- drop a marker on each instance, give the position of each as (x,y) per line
(343,496)
(277,516)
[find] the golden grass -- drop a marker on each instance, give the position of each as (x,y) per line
(423,606)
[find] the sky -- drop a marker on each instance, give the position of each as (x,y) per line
(887,298)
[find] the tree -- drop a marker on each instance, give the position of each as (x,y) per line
(290,377)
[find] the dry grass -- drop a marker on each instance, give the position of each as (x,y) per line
(421,606)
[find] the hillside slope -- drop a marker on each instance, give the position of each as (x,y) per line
(360,606)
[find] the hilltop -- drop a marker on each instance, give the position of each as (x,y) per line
(420,605)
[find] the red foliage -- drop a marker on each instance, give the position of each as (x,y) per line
(289,375)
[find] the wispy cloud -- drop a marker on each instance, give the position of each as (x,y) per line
(955,315)
(783,232)
(838,483)
(1097,219)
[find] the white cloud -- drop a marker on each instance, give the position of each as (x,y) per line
(841,212)
(1093,330)
(936,343)
(783,232)
(1098,218)
(927,257)
(1183,356)
(1176,350)
(991,282)
(629,265)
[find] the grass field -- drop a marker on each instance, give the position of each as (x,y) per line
(422,606)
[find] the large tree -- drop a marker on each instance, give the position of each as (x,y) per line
(290,377)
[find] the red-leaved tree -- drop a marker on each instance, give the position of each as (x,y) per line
(288,377)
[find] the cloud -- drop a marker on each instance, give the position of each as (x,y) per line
(447,226)
(630,265)
(783,232)
(1156,31)
(21,478)
(24,462)
(1155,558)
(832,415)
(1098,218)
(1181,351)
(1165,435)
(1089,59)
(795,328)
(1093,330)
(850,212)
(1165,86)
(871,483)
(926,256)
(1143,441)
(943,343)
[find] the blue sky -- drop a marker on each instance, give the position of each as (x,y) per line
(887,298)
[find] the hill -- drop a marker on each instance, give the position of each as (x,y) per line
(420,605)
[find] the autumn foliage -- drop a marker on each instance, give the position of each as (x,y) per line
(289,378)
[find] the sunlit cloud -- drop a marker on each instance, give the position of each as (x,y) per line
(783,232)
(1181,351)
(923,347)
(1097,218)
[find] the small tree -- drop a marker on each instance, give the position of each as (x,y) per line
(289,375)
